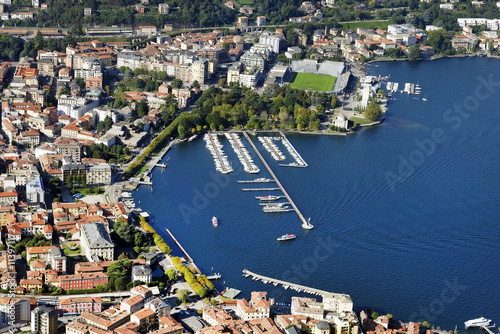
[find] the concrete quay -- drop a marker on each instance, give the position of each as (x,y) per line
(305,223)
(293,286)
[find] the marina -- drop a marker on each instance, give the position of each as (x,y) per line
(272,203)
(288,285)
(222,165)
(242,153)
(305,223)
(299,161)
(272,148)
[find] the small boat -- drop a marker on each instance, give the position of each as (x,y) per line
(286,237)
(268,198)
(215,223)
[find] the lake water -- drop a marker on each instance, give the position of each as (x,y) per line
(406,214)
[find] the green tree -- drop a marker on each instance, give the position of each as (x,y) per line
(120,284)
(182,296)
(69,181)
(68,235)
(414,52)
(374,315)
(171,274)
(373,111)
(176,83)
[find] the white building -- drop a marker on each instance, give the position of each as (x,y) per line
(35,192)
(163,8)
(128,58)
(272,40)
(199,71)
(99,174)
(250,78)
(96,242)
(142,273)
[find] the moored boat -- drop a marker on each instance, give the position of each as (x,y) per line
(286,237)
(215,222)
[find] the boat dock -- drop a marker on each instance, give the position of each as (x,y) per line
(272,148)
(260,189)
(286,285)
(242,153)
(299,161)
(190,259)
(214,277)
(269,203)
(305,223)
(256,181)
(487,328)
(215,148)
(155,162)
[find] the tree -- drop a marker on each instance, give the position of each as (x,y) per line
(373,111)
(414,52)
(122,256)
(176,83)
(374,315)
(142,108)
(389,316)
(120,284)
(171,274)
(69,181)
(68,235)
(195,84)
(182,296)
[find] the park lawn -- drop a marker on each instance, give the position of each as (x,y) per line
(68,251)
(360,120)
(366,24)
(309,81)
(87,191)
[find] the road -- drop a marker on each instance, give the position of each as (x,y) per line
(116,294)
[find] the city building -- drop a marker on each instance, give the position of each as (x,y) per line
(163,8)
(99,174)
(16,310)
(96,242)
(142,273)
(44,320)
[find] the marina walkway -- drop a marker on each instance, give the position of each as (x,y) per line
(278,183)
(154,162)
(183,250)
(293,286)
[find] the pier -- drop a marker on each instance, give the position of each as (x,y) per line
(183,251)
(155,162)
(260,189)
(256,181)
(299,161)
(242,154)
(214,277)
(286,285)
(487,329)
(305,223)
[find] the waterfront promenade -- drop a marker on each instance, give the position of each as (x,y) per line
(278,183)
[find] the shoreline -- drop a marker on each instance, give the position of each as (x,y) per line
(437,57)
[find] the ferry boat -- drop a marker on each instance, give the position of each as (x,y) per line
(268,198)
(215,223)
(285,237)
(479,322)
